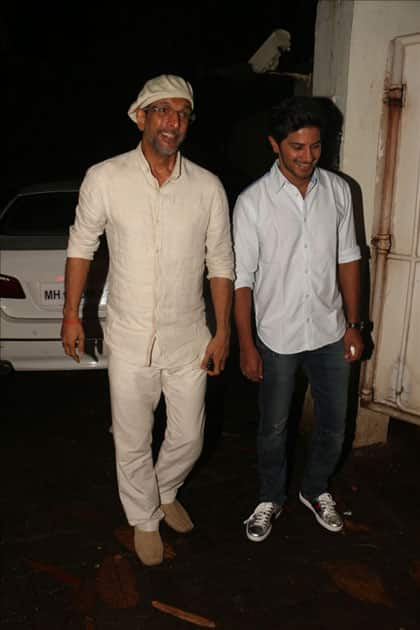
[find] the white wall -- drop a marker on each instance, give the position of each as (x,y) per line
(351,51)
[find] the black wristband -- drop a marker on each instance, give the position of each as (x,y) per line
(357,325)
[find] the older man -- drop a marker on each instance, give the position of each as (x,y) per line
(166,221)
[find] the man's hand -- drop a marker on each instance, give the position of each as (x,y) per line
(353,345)
(251,364)
(73,338)
(216,354)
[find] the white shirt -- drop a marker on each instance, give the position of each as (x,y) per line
(287,249)
(161,239)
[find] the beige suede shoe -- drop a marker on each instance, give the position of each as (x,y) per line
(148,546)
(177,517)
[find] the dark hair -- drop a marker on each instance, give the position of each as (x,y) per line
(293,113)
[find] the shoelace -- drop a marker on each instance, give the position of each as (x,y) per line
(327,503)
(262,514)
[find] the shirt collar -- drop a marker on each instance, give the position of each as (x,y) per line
(279,180)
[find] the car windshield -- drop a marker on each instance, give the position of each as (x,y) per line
(40,214)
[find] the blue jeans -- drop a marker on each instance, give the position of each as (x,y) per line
(328,375)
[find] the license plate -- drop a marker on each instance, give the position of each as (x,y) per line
(52,293)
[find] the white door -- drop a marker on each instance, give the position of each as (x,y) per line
(391,381)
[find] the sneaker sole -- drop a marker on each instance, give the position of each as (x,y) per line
(267,533)
(318,518)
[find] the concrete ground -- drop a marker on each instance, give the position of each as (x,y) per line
(67,555)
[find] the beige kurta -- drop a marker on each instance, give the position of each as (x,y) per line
(161,239)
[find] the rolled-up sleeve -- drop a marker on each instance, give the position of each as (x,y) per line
(348,249)
(90,220)
(219,249)
(245,238)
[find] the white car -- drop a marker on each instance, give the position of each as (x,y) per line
(33,240)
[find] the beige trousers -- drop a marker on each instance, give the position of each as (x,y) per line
(135,393)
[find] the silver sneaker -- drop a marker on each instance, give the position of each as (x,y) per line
(258,525)
(325,513)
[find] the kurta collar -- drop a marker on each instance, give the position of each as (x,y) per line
(177,170)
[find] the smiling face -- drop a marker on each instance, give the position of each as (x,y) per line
(164,125)
(298,155)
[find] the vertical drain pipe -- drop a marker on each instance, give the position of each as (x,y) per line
(381,242)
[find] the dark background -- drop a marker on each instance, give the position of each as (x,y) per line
(70,73)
